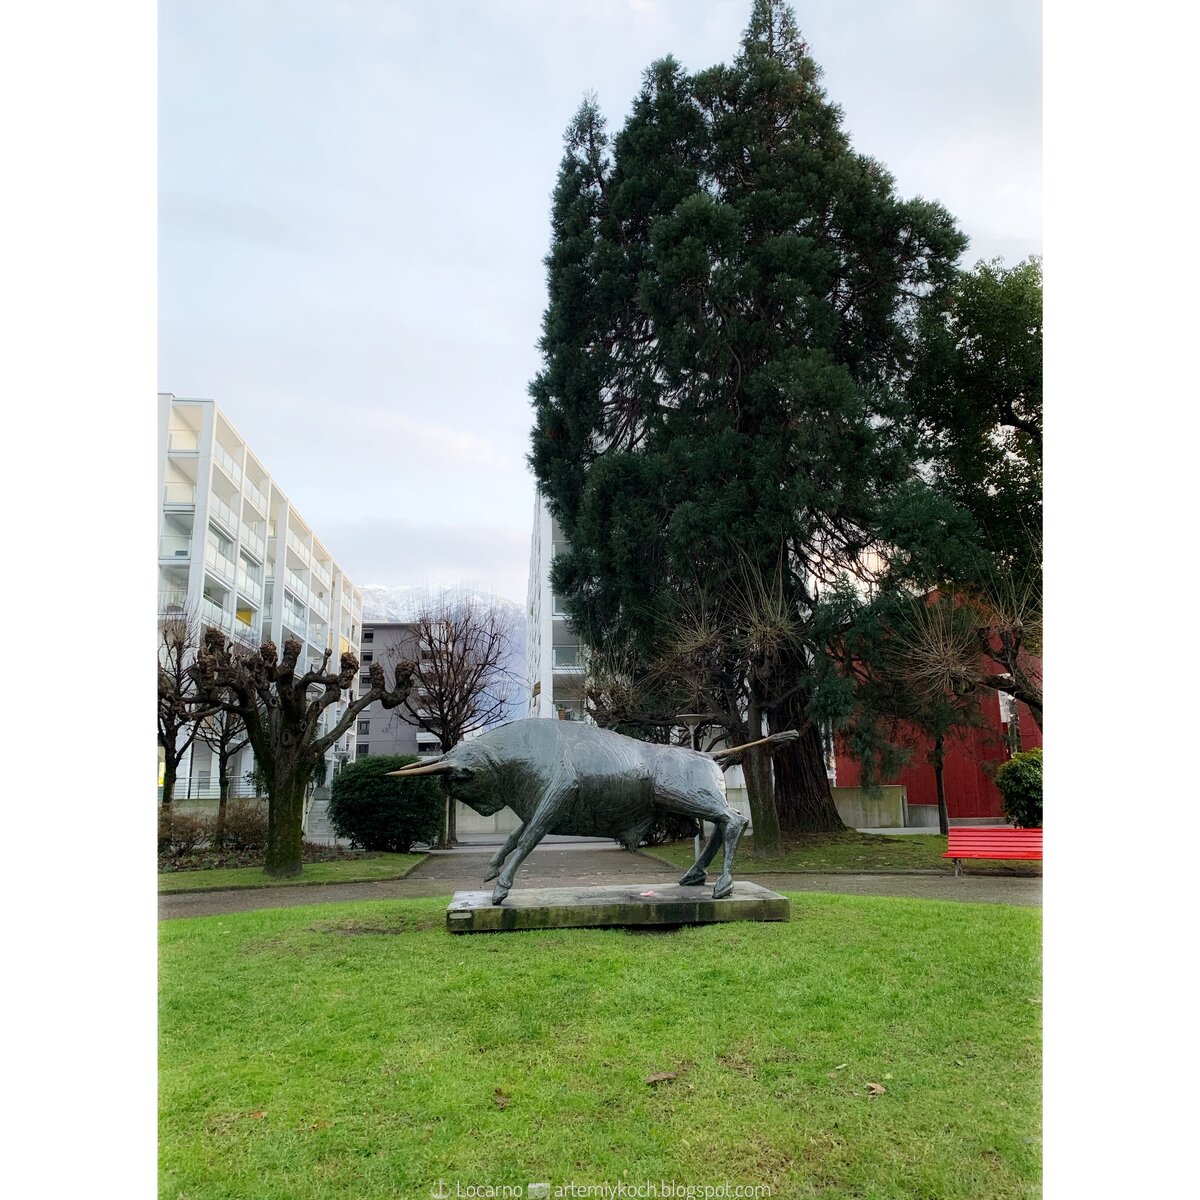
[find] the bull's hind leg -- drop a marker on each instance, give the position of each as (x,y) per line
(699,869)
(497,859)
(732,828)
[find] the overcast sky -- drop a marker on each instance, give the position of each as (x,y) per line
(355,205)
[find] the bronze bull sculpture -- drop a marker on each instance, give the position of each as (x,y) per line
(566,777)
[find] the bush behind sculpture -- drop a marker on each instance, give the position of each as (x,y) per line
(380,813)
(1020,784)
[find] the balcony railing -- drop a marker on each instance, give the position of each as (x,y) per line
(253,541)
(213,614)
(249,587)
(296,585)
(568,658)
(219,564)
(183,441)
(172,601)
(321,572)
(224,514)
(257,498)
(227,463)
(179,495)
(300,548)
(175,545)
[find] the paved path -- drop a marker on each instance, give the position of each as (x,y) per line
(590,864)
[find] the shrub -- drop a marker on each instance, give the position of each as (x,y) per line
(379,813)
(669,827)
(245,827)
(181,833)
(1020,784)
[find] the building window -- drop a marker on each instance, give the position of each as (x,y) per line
(368,656)
(368,635)
(364,726)
(363,750)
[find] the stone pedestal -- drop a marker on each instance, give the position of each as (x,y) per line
(641,904)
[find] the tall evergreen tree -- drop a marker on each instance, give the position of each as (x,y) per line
(732,298)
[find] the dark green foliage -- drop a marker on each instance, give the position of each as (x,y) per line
(977,393)
(733,294)
(1020,784)
(245,830)
(380,813)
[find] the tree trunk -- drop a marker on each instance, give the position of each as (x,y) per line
(451,821)
(224,801)
(939,763)
(803,796)
(760,790)
(285,823)
(170,770)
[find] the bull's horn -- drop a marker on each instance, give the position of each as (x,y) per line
(432,768)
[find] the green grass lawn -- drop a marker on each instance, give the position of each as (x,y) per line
(849,852)
(360,1050)
(348,870)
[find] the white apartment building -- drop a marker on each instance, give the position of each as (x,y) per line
(234,552)
(555,656)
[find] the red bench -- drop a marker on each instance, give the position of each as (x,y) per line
(972,842)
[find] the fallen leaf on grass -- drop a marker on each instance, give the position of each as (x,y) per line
(258,1114)
(314,1127)
(875,1089)
(841,1066)
(500,1100)
(662,1077)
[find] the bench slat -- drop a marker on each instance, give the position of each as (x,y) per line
(965,842)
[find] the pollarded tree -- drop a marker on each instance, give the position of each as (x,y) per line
(284,711)
(732,296)
(462,679)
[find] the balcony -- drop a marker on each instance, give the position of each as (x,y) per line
(257,498)
(213,614)
(221,566)
(227,463)
(254,543)
(183,441)
(179,495)
(299,547)
(175,546)
(296,585)
(172,602)
(249,586)
(321,573)
(225,515)
(568,658)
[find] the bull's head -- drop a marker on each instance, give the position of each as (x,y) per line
(469,776)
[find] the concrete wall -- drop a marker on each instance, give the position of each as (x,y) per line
(884,808)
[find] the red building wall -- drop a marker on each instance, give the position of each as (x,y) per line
(971,757)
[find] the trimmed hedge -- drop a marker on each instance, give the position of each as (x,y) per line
(380,813)
(1020,784)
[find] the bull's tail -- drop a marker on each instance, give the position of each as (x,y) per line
(732,754)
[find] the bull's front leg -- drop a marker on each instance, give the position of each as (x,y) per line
(497,859)
(536,828)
